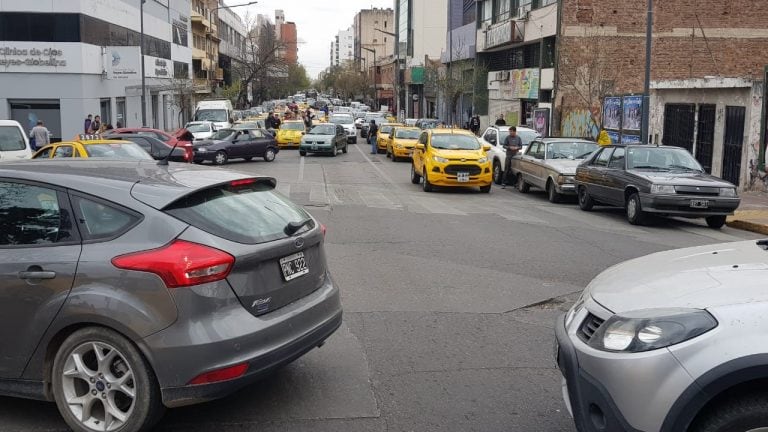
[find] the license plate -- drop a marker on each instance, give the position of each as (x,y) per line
(700,204)
(462,177)
(294,266)
(314,147)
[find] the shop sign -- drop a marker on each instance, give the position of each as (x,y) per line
(522,84)
(31,57)
(123,62)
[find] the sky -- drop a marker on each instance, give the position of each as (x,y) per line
(317,23)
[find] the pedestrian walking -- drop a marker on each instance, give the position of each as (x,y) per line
(87,124)
(269,122)
(373,129)
(40,135)
(500,121)
(604,139)
(95,125)
(276,122)
(512,144)
(474,124)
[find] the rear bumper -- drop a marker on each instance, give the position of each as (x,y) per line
(214,331)
(680,205)
(566,189)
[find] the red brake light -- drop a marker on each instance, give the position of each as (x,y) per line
(180,263)
(323,229)
(219,375)
(243,182)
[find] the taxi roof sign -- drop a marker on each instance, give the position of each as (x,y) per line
(89,137)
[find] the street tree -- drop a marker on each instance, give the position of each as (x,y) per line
(259,63)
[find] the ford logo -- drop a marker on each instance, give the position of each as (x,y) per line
(299,243)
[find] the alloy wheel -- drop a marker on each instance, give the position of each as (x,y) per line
(98,386)
(269,156)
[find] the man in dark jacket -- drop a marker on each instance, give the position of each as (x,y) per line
(474,124)
(500,121)
(372,131)
(512,144)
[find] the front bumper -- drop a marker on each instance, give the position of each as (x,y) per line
(680,205)
(483,178)
(402,152)
(616,392)
(214,331)
(288,141)
(199,156)
(316,148)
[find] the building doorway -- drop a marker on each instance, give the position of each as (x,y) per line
(733,144)
(679,124)
(105,110)
(705,136)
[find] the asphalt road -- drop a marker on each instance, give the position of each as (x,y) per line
(449,304)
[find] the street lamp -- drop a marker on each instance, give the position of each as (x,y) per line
(143,78)
(375,80)
(397,70)
(644,128)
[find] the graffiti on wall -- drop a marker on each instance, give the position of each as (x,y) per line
(579,123)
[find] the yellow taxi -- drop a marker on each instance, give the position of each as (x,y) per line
(382,137)
(290,133)
(452,158)
(92,146)
(401,141)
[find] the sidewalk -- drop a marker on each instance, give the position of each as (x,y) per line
(752,214)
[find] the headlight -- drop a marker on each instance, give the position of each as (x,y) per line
(202,150)
(482,160)
(728,192)
(564,179)
(662,189)
(651,329)
(439,159)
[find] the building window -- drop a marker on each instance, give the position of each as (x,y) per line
(375,40)
(549,53)
(501,10)
(385,24)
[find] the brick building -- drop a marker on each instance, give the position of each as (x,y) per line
(707,77)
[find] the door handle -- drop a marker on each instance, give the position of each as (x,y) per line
(37,275)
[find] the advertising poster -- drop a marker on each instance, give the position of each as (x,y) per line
(612,113)
(524,83)
(541,121)
(630,139)
(615,136)
(124,62)
(633,113)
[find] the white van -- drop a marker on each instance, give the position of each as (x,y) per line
(218,111)
(14,143)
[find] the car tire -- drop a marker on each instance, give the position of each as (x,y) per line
(220,158)
(522,186)
(302,153)
(394,158)
(344,149)
(635,213)
(415,177)
(425,184)
(269,155)
(73,388)
(498,173)
(737,414)
(586,202)
(485,189)
(552,194)
(334,152)
(716,222)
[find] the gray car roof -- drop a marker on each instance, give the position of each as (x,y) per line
(123,181)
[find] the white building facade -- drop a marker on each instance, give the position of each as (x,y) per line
(342,47)
(63,60)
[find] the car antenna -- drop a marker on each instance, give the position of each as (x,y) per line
(164,161)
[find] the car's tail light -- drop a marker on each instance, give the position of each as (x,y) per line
(323,229)
(219,375)
(180,263)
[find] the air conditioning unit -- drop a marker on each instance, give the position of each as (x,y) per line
(523,11)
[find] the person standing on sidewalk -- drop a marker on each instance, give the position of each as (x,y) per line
(87,124)
(372,131)
(40,135)
(512,144)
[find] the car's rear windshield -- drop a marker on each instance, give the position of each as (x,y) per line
(296,126)
(407,134)
(11,139)
(199,127)
(342,119)
(248,214)
(129,151)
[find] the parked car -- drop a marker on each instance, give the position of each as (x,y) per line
(673,341)
(550,164)
(14,143)
(93,148)
(181,138)
(495,136)
(450,157)
(129,287)
(660,180)
(324,138)
(347,121)
(156,148)
(401,141)
(229,144)
(382,137)
(290,133)
(201,130)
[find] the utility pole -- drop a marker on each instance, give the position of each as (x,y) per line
(143,77)
(375,80)
(644,134)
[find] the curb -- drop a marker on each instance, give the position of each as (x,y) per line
(748,226)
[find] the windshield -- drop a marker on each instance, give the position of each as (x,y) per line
(525,136)
(339,119)
(215,115)
(222,134)
(294,126)
(454,142)
(245,214)
(323,130)
(386,129)
(407,134)
(570,150)
(660,158)
(199,127)
(11,139)
(116,151)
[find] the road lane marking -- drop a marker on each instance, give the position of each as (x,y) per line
(284,189)
(377,169)
(318,194)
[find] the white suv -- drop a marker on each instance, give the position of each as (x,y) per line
(14,143)
(495,136)
(347,120)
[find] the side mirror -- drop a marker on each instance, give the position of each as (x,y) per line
(492,141)
(420,146)
(487,147)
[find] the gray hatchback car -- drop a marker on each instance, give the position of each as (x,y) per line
(128,287)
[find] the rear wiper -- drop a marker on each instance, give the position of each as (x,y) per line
(294,227)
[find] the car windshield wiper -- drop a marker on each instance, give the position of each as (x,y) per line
(685,168)
(649,167)
(294,227)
